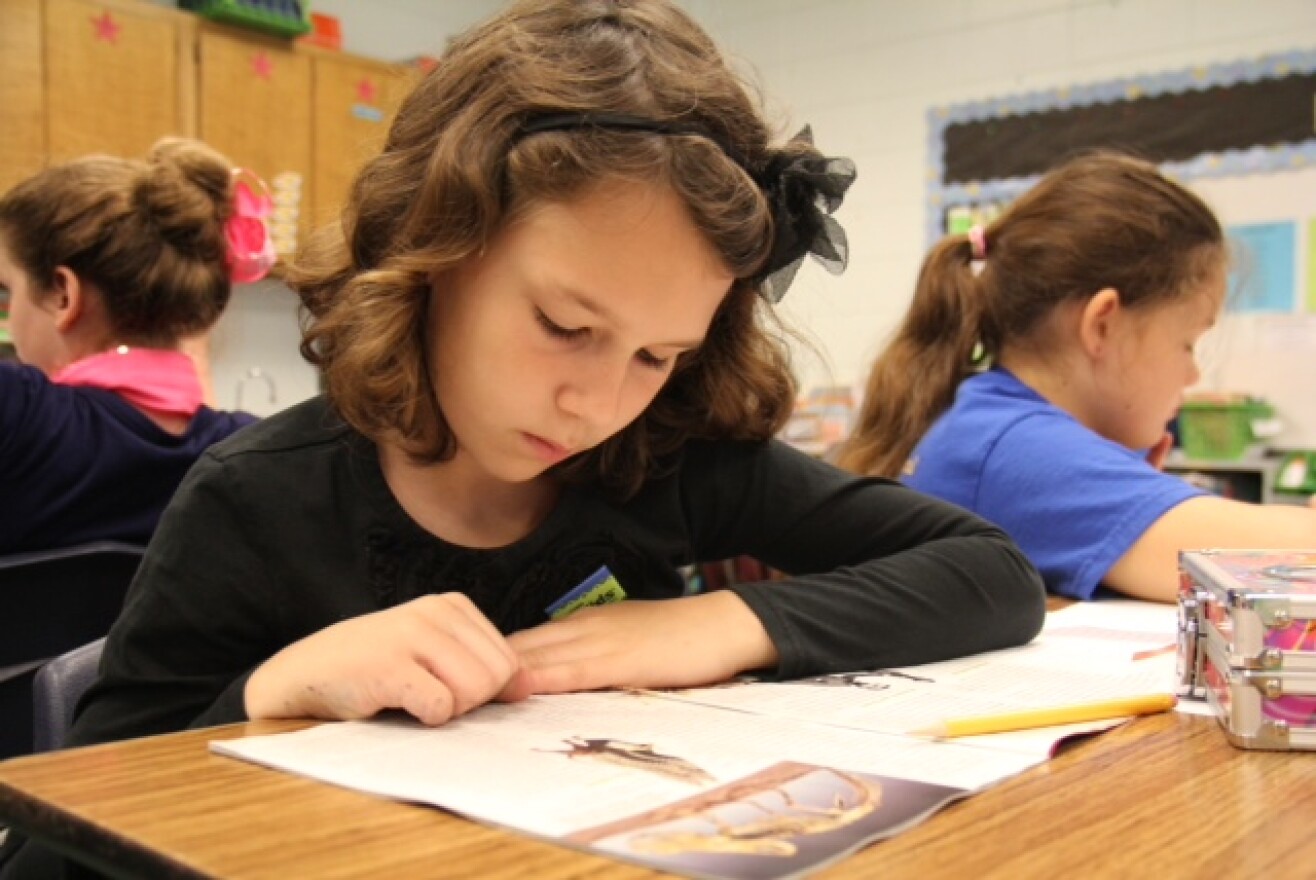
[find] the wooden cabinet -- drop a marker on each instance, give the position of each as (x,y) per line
(354,102)
(116,77)
(255,108)
(22,102)
(255,102)
(80,76)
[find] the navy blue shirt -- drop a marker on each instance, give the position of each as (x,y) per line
(82,464)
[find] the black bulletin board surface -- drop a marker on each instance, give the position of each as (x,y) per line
(1163,128)
(1228,120)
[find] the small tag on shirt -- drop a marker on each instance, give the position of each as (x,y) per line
(600,588)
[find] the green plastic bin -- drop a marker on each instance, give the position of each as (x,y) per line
(285,18)
(1219,431)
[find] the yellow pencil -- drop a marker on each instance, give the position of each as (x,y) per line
(1031,718)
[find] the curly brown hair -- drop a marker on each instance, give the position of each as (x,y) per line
(1102,219)
(457,167)
(148,234)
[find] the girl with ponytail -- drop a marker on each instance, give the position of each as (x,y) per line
(1038,366)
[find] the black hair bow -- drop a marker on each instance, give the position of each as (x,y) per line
(804,191)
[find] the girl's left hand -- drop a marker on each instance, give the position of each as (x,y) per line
(686,642)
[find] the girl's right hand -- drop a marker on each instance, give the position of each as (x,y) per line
(436,657)
(1157,455)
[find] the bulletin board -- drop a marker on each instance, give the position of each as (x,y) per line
(1240,134)
(1227,120)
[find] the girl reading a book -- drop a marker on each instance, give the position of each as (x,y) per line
(543,330)
(542,326)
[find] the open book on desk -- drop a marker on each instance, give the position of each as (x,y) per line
(755,779)
(1086,653)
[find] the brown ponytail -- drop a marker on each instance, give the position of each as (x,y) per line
(915,379)
(1101,220)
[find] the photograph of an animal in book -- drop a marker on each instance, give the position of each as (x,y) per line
(787,819)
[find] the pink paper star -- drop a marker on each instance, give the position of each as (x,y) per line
(262,65)
(107,28)
(366,91)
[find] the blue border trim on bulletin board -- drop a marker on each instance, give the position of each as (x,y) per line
(1228,164)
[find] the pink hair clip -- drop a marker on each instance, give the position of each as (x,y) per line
(250,248)
(977,242)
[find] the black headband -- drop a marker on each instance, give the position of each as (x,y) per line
(623,122)
(803,189)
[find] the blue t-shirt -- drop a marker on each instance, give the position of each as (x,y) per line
(82,464)
(1074,501)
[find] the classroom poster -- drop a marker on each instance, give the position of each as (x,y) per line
(1262,277)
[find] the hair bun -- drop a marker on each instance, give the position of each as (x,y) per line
(183,192)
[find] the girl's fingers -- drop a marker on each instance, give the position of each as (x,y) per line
(477,625)
(580,648)
(436,658)
(1157,454)
(578,625)
(568,676)
(584,658)
(540,637)
(422,695)
(632,644)
(460,634)
(518,687)
(466,674)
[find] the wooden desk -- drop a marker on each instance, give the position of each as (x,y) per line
(1163,796)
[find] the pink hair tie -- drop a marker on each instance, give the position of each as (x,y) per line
(977,242)
(250,248)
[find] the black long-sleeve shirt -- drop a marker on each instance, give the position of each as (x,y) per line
(289,527)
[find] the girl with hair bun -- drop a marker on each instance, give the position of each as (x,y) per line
(109,265)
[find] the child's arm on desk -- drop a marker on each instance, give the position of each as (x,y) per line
(1150,569)
(695,640)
